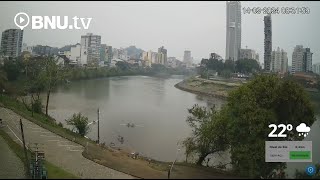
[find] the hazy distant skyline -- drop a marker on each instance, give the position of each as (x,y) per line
(196,26)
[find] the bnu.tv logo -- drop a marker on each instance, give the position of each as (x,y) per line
(22,20)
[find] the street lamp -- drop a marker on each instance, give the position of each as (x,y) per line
(178,149)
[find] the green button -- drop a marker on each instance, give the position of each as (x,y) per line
(300,155)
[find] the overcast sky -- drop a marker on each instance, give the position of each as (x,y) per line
(197,26)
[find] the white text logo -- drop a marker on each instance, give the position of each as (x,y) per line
(22,20)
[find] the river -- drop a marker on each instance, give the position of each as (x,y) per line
(154,105)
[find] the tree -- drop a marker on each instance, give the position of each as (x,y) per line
(51,76)
(3,80)
(247,66)
(229,65)
(11,68)
(318,82)
(123,65)
(208,133)
(265,100)
(79,122)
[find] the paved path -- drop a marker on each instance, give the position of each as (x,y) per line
(59,151)
(11,167)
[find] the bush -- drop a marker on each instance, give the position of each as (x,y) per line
(60,124)
(80,123)
(37,106)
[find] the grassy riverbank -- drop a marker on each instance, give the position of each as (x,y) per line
(220,89)
(206,87)
(115,159)
(53,171)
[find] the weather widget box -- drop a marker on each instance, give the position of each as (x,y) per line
(288,151)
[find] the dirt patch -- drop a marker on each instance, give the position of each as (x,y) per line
(142,168)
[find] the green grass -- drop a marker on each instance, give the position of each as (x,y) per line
(16,148)
(53,171)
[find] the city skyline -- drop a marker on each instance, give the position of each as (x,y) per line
(206,35)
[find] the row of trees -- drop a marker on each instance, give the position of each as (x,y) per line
(28,75)
(228,67)
(241,125)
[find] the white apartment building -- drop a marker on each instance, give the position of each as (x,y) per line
(11,42)
(301,59)
(279,61)
(162,59)
(154,58)
(316,68)
(297,59)
(90,50)
(151,57)
(75,53)
(120,54)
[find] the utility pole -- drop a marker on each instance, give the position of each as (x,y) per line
(98,127)
(24,146)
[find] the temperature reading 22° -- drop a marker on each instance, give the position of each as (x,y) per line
(288,127)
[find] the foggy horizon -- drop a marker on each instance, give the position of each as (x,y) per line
(196,26)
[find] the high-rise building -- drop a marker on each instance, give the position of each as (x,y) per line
(307,60)
(90,49)
(267,42)
(154,57)
(284,61)
(279,61)
(187,56)
(233,26)
(109,54)
(297,59)
(316,68)
(103,48)
(11,42)
(164,59)
(147,58)
(301,59)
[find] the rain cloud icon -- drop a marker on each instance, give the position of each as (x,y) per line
(303,129)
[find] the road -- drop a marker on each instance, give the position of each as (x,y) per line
(59,151)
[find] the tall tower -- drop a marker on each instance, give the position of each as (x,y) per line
(233,26)
(267,42)
(90,49)
(307,60)
(11,42)
(164,58)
